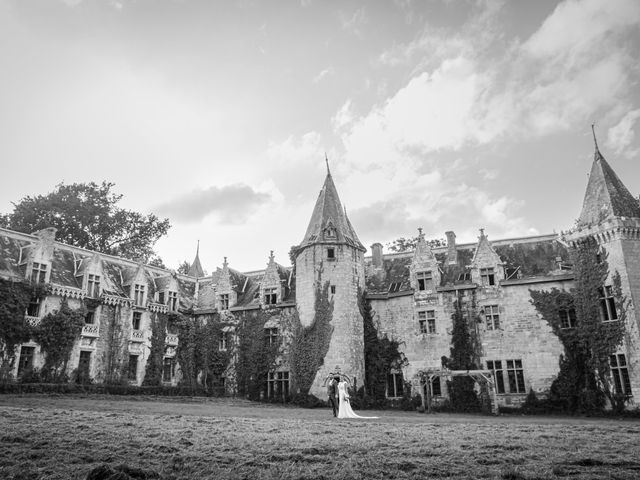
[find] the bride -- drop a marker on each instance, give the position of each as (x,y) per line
(345,410)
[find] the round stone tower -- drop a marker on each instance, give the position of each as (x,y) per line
(331,252)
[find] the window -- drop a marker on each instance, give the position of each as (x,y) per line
(168,366)
(84,365)
(277,384)
(224,301)
(223,341)
(436,388)
(172,301)
(332,289)
(132,373)
(487,276)
(394,287)
(395,384)
(493,317)
(425,281)
(33,309)
(25,363)
(330,232)
(496,367)
(464,277)
(608,310)
(427,321)
(516,376)
(93,286)
(620,374)
(38,272)
(90,317)
(136,320)
(271,336)
(270,296)
(331,253)
(567,317)
(138,294)
(161,298)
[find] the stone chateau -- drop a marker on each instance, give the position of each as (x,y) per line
(412,295)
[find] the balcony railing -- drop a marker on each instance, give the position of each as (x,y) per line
(33,321)
(137,335)
(171,339)
(91,330)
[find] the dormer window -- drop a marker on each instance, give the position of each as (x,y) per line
(224,301)
(138,294)
(38,272)
(425,280)
(172,301)
(487,276)
(331,253)
(270,296)
(330,233)
(93,286)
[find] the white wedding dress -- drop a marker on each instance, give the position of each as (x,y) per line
(345,411)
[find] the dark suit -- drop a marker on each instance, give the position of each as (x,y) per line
(331,393)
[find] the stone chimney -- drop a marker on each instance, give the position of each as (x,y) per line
(452,253)
(376,253)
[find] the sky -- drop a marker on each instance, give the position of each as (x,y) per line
(440,114)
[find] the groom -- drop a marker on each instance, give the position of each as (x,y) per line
(332,393)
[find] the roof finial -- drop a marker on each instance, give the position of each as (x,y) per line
(327,162)
(595,141)
(198,248)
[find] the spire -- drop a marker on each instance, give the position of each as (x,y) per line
(595,140)
(606,196)
(326,160)
(329,222)
(195,270)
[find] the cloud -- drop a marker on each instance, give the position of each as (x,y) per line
(231,204)
(327,72)
(355,22)
(620,136)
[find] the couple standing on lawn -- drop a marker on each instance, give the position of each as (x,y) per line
(339,397)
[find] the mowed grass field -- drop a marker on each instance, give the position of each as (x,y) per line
(65,437)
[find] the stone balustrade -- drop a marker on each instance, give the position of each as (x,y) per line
(171,339)
(33,321)
(137,335)
(91,330)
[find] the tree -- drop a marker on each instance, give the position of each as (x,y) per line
(576,317)
(86,215)
(184,267)
(403,244)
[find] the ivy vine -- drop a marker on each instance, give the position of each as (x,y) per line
(310,344)
(153,369)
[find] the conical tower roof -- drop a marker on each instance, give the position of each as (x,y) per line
(606,196)
(329,222)
(195,270)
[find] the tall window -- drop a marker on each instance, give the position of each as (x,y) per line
(93,286)
(223,341)
(172,301)
(271,336)
(132,373)
(138,294)
(38,272)
(25,363)
(33,309)
(395,384)
(425,280)
(436,387)
(161,298)
(427,321)
(167,369)
(487,276)
(136,320)
(277,384)
(84,366)
(224,301)
(331,253)
(620,374)
(270,296)
(567,317)
(516,376)
(496,367)
(608,310)
(492,316)
(90,317)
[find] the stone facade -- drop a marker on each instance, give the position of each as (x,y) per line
(412,294)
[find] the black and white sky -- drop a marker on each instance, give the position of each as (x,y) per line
(441,114)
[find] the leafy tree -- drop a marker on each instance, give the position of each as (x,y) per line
(57,333)
(153,369)
(86,215)
(403,244)
(184,267)
(584,380)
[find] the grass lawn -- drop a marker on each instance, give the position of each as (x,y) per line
(61,437)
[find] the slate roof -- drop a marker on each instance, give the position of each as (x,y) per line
(535,256)
(196,270)
(606,196)
(329,211)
